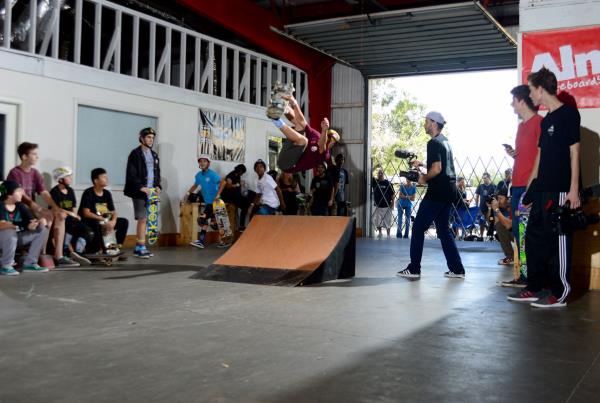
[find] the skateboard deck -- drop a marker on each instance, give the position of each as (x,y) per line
(523,220)
(107,259)
(152,211)
(222,218)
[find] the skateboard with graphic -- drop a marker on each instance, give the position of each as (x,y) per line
(152,211)
(222,218)
(523,213)
(107,259)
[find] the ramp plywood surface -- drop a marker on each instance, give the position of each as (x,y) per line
(286,242)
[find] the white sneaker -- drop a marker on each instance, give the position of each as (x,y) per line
(450,274)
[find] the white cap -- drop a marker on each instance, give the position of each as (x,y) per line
(436,117)
(204,156)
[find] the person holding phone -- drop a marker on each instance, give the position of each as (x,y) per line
(526,148)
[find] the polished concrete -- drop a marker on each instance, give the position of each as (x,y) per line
(146,332)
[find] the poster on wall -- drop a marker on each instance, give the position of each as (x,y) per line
(222,136)
(573,55)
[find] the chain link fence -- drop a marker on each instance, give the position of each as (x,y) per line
(465,218)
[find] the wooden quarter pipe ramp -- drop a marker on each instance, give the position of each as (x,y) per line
(288,251)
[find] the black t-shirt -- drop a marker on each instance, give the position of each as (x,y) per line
(101,205)
(65,201)
(560,130)
(443,186)
(20,217)
(230,195)
(322,190)
(383,193)
(339,176)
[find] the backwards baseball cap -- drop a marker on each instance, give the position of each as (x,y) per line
(436,117)
(502,191)
(204,156)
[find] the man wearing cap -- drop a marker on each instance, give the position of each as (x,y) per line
(437,203)
(501,210)
(208,181)
(143,174)
(304,147)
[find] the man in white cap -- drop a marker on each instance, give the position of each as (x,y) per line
(437,203)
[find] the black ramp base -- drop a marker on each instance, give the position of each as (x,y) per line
(340,263)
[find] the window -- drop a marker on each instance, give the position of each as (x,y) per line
(104,139)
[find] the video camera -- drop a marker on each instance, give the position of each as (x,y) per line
(566,220)
(413,173)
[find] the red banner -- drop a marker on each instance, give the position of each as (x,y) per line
(573,55)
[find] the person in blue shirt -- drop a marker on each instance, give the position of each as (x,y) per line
(406,197)
(208,181)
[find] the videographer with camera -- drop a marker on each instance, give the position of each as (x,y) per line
(437,203)
(501,211)
(554,182)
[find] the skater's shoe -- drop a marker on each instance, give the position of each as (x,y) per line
(8,271)
(451,274)
(408,274)
(35,268)
(548,302)
(525,296)
(507,261)
(223,245)
(80,259)
(141,252)
(518,283)
(66,262)
(198,244)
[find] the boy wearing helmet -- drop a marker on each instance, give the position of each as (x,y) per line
(75,234)
(304,147)
(208,181)
(18,227)
(143,174)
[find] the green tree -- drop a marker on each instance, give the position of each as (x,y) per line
(396,123)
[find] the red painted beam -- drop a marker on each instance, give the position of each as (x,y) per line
(252,22)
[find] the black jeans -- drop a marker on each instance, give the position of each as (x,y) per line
(96,244)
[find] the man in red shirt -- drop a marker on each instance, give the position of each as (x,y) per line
(526,148)
(304,147)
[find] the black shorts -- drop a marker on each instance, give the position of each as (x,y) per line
(207,215)
(289,155)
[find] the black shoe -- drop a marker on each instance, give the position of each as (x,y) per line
(451,274)
(518,283)
(407,274)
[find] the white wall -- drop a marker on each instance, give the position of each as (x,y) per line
(48,91)
(541,15)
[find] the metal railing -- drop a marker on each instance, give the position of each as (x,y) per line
(110,37)
(464,221)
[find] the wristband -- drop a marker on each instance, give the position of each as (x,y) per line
(278,123)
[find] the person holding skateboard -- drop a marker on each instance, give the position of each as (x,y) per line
(97,210)
(208,181)
(142,180)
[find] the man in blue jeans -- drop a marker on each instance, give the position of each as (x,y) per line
(405,202)
(437,203)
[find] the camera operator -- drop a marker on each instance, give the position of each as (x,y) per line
(501,210)
(437,203)
(556,174)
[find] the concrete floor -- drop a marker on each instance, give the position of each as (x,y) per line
(146,332)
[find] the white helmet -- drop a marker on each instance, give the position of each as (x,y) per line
(61,172)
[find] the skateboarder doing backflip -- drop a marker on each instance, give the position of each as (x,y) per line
(143,174)
(303,147)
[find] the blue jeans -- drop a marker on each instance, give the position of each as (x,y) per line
(515,196)
(406,212)
(266,210)
(431,211)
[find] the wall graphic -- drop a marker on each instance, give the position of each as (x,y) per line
(222,136)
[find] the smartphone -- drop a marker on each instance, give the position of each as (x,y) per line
(508,146)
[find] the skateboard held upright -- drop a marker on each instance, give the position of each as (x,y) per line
(152,211)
